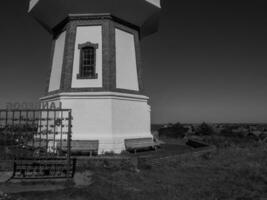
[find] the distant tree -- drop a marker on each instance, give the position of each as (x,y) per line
(175,131)
(204,129)
(14,135)
(227,131)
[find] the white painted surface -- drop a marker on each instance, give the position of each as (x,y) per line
(95,95)
(126,68)
(56,71)
(85,34)
(108,118)
(155,2)
(132,117)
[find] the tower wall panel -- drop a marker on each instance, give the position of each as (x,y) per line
(85,34)
(126,67)
(55,76)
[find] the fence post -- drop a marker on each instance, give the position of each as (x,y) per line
(69,145)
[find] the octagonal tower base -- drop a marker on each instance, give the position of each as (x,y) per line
(108,117)
(96,66)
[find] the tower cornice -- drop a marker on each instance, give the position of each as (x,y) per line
(143,14)
(97,16)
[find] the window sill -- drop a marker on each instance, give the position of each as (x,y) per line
(95,76)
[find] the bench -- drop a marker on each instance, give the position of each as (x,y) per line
(196,143)
(82,147)
(45,168)
(133,145)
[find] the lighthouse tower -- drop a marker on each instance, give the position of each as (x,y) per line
(96,67)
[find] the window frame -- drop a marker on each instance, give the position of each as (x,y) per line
(80,75)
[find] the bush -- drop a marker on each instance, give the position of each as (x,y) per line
(205,129)
(228,132)
(175,131)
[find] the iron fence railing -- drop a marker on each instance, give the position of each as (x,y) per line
(36,135)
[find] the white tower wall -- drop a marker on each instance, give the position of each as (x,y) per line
(126,68)
(56,71)
(107,117)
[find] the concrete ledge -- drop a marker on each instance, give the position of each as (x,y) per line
(88,95)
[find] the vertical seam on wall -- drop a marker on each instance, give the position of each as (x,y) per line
(63,70)
(105,55)
(138,61)
(70,56)
(113,57)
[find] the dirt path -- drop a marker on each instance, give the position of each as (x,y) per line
(11,188)
(80,179)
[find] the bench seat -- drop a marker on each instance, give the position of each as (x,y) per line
(82,147)
(140,144)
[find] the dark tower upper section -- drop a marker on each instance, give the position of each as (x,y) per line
(141,13)
(96,43)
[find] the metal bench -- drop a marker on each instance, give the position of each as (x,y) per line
(83,147)
(134,145)
(54,168)
(196,143)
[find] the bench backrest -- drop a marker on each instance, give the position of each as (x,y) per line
(82,145)
(139,143)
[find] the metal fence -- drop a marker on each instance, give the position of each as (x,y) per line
(39,142)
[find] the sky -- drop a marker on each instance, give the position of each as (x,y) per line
(207,62)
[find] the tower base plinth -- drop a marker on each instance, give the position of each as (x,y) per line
(107,117)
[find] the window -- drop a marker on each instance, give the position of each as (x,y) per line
(87,61)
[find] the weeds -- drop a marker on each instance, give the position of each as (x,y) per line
(235,172)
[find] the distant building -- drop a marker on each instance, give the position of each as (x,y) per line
(241,129)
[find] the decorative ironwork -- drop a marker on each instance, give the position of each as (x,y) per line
(43,169)
(34,140)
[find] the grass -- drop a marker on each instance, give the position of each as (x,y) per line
(235,172)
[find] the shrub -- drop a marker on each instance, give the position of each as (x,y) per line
(205,129)
(175,131)
(109,153)
(228,132)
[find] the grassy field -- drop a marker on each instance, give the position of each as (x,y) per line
(235,172)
